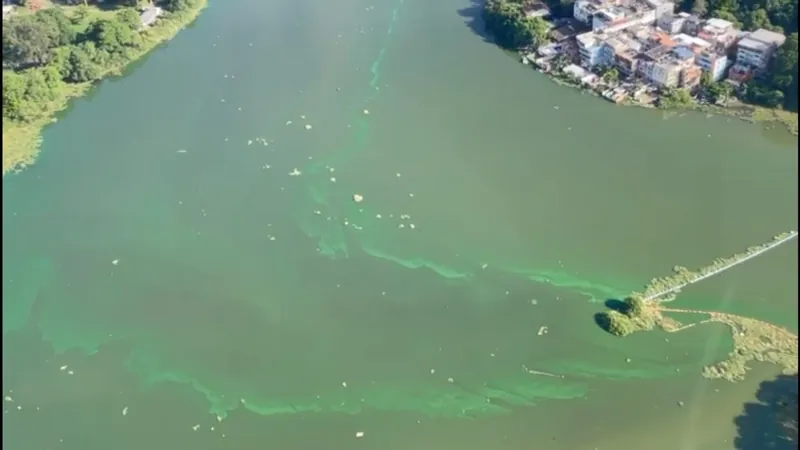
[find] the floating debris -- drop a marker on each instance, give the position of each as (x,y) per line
(308,127)
(412,226)
(295,172)
(359,434)
(344,384)
(366,112)
(8,398)
(125,411)
(62,368)
(288,122)
(357,198)
(114,262)
(196,427)
(333,179)
(181,151)
(249,142)
(450,380)
(542,330)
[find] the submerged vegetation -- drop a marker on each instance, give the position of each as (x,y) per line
(753,339)
(672,284)
(58,51)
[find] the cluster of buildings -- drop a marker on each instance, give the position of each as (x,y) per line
(647,40)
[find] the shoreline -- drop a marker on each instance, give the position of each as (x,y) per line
(22,140)
(745,112)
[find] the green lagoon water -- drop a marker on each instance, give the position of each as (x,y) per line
(161,259)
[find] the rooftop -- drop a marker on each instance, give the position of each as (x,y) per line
(657,53)
(149,15)
(565,32)
(685,39)
(719,23)
(768,37)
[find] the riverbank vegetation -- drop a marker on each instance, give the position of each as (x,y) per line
(511,29)
(58,50)
(683,276)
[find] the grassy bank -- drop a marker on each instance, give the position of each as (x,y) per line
(22,138)
(752,114)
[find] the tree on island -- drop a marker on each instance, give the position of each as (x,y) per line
(634,306)
(616,323)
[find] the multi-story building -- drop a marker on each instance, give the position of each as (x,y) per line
(583,10)
(714,63)
(720,33)
(672,23)
(756,49)
(590,46)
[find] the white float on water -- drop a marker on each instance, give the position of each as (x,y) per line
(357,198)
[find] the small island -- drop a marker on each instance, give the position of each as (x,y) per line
(720,58)
(55,50)
(753,340)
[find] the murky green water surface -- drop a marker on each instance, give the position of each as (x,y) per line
(186,249)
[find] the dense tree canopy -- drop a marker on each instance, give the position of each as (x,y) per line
(45,50)
(510,27)
(616,323)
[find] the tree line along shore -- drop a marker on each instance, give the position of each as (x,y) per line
(55,50)
(515,25)
(753,340)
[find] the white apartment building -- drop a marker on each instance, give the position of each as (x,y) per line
(714,63)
